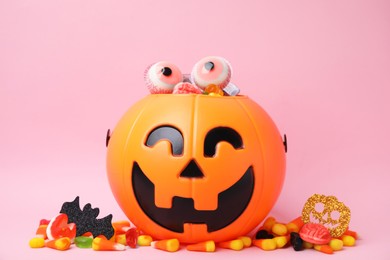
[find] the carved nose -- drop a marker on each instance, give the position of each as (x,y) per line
(192,171)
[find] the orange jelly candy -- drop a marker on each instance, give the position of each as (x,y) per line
(213,89)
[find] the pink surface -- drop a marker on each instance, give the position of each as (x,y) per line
(70,69)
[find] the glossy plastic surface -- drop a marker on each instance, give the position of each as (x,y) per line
(228,172)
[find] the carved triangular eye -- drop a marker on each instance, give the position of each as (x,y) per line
(218,134)
(169,133)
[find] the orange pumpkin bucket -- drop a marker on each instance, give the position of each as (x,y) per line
(196,167)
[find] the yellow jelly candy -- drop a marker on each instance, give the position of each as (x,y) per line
(37,242)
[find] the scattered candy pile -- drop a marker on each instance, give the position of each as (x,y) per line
(273,235)
(210,76)
(59,234)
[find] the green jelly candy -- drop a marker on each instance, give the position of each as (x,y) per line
(83,242)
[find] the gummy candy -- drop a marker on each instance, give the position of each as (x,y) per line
(132,237)
(186,88)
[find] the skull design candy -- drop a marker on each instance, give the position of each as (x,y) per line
(328,211)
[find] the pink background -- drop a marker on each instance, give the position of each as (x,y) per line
(70,69)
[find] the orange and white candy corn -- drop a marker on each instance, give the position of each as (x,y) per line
(102,244)
(169,245)
(207,246)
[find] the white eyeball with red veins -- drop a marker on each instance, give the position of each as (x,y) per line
(162,76)
(211,70)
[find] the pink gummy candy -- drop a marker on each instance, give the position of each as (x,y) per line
(315,233)
(186,88)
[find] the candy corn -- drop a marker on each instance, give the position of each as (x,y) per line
(247,241)
(236,244)
(169,245)
(295,225)
(267,244)
(281,241)
(120,239)
(61,244)
(348,240)
(268,223)
(144,240)
(336,244)
(120,227)
(324,249)
(208,246)
(102,244)
(279,229)
(351,233)
(41,231)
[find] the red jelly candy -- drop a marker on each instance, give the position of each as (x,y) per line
(186,88)
(315,234)
(132,237)
(44,222)
(59,227)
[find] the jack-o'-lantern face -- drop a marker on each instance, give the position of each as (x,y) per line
(328,211)
(196,167)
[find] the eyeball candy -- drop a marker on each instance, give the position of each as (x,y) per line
(161,77)
(211,70)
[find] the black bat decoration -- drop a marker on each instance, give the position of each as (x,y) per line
(85,219)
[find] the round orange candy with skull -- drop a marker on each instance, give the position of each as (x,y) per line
(196,167)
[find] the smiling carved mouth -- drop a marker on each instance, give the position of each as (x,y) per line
(231,204)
